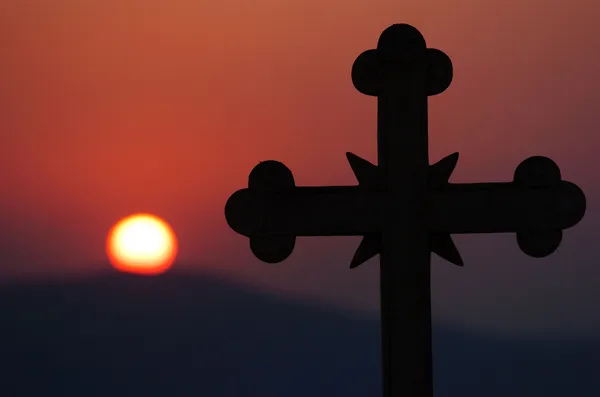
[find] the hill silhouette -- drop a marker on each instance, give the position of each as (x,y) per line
(182,335)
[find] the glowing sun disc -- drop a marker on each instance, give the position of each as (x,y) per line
(141,243)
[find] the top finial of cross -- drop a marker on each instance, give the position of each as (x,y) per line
(401,57)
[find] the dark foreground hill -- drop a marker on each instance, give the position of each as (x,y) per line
(184,335)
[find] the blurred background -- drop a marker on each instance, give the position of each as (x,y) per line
(120,106)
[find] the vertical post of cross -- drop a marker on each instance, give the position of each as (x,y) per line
(402,72)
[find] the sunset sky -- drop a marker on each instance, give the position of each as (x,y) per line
(164,106)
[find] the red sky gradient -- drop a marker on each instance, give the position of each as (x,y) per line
(120,106)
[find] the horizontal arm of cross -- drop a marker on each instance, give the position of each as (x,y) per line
(505,207)
(306,211)
(356,211)
(537,206)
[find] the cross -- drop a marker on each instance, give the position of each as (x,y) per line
(404,208)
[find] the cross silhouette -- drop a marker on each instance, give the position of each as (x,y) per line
(404,208)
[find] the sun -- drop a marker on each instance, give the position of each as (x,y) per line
(142,244)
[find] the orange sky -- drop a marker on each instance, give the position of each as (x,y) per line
(119,106)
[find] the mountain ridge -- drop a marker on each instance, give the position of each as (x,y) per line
(200,335)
